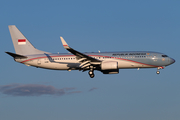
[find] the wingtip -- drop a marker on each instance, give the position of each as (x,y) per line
(64,43)
(11,25)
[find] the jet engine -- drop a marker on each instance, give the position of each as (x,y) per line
(109,67)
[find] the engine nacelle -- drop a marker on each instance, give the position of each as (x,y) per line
(109,65)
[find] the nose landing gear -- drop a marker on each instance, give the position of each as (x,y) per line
(158,72)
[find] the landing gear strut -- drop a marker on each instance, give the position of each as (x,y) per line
(91,73)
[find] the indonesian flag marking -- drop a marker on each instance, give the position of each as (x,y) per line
(21,41)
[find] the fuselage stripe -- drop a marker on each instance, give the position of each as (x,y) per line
(90,55)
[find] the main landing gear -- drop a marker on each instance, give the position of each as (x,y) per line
(91,73)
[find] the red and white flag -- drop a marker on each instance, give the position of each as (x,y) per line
(21,41)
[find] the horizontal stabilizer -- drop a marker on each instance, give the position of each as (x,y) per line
(15,56)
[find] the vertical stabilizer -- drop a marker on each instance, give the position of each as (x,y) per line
(21,44)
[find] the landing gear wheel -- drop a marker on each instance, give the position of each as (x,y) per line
(158,72)
(91,73)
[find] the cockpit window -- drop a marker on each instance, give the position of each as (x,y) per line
(164,56)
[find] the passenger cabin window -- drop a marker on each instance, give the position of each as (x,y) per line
(164,56)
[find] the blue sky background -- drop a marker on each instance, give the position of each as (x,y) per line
(89,26)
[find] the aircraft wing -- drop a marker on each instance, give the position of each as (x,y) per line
(84,59)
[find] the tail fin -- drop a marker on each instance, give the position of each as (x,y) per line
(21,44)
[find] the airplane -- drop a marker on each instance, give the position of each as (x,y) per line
(105,62)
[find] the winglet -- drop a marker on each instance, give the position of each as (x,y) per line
(64,43)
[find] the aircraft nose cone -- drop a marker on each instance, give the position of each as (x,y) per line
(172,60)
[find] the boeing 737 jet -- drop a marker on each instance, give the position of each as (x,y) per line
(105,62)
